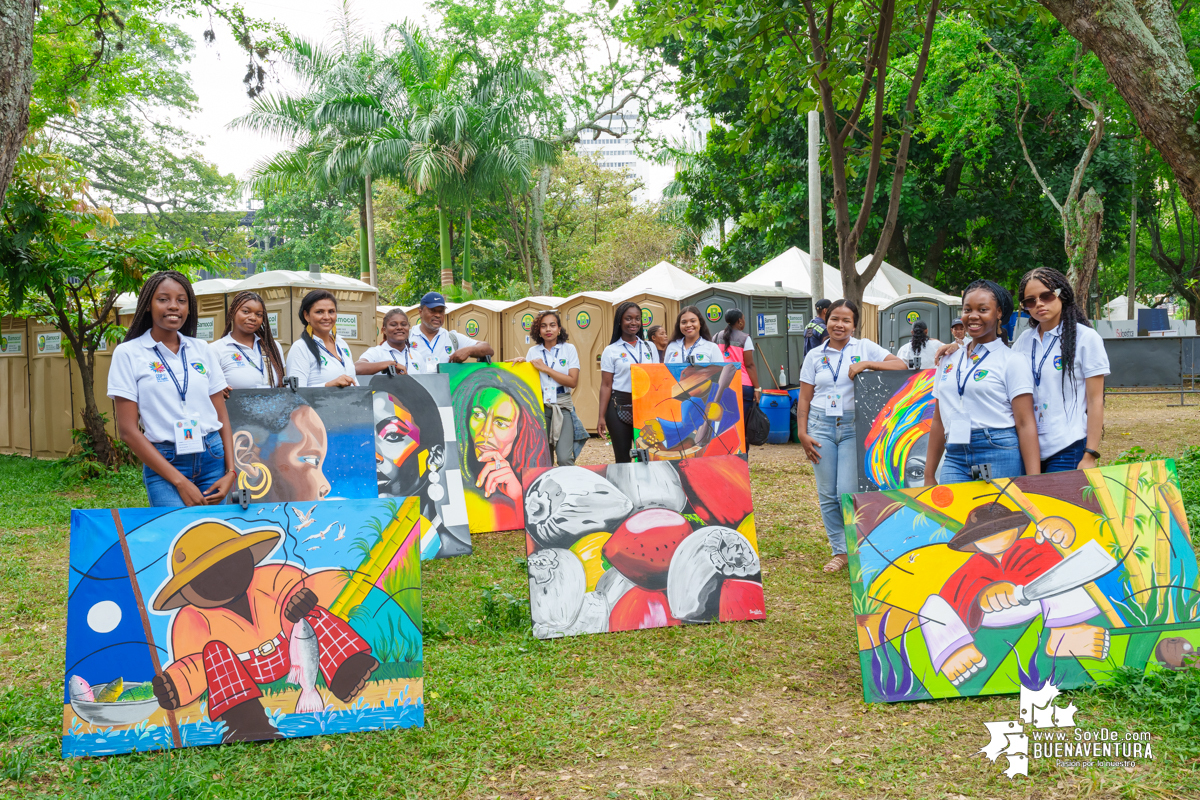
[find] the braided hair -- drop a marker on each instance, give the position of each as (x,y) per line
(618,315)
(1072,314)
(310,300)
(269,348)
(143,320)
(1003,300)
(920,336)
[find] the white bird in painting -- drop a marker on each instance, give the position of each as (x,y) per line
(320,535)
(305,517)
(259,514)
(341,533)
(276,508)
(309,550)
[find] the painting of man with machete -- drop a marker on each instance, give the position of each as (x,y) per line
(985,587)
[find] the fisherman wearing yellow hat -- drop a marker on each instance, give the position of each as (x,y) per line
(235,616)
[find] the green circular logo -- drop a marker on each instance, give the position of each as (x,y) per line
(3,344)
(912,317)
(647,317)
(527,322)
(41,343)
(714,312)
(472,327)
(582,320)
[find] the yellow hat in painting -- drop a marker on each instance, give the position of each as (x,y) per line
(204,545)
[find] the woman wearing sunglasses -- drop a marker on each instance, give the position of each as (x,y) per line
(1069,364)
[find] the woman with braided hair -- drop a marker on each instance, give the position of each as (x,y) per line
(983,415)
(1068,362)
(919,350)
(249,355)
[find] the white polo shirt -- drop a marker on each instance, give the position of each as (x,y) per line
(244,367)
(827,370)
(141,374)
(560,358)
(928,353)
(702,352)
(385,352)
(428,352)
(318,372)
(989,383)
(1061,421)
(619,356)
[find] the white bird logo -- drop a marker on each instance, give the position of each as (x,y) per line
(320,535)
(341,533)
(305,517)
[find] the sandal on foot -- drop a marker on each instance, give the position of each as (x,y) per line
(838,563)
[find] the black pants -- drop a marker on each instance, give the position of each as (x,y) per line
(620,432)
(747,402)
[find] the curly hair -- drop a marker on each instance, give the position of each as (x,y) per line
(920,336)
(536,327)
(1072,314)
(530,450)
(264,414)
(1003,300)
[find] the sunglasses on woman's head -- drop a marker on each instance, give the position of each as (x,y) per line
(1044,297)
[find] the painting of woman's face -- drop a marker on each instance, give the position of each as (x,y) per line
(494,422)
(914,464)
(397,436)
(298,457)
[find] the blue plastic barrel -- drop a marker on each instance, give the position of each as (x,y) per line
(777,405)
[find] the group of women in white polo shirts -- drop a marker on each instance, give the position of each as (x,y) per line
(1034,407)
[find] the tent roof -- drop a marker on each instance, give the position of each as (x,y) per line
(214,286)
(663,279)
(794,269)
(490,305)
(902,283)
(318,280)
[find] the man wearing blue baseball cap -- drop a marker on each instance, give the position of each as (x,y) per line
(432,346)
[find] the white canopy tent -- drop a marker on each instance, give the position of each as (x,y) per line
(793,269)
(663,278)
(1118,308)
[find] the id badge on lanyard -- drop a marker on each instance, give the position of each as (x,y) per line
(431,360)
(549,393)
(187,429)
(833,403)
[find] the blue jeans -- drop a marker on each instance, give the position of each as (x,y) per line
(1066,459)
(837,471)
(995,446)
(203,469)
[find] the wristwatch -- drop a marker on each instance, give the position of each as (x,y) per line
(1093,453)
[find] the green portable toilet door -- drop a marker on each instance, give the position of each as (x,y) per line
(896,321)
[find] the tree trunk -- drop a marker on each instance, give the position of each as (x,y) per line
(466,259)
(541,249)
(898,253)
(364,257)
(1143,52)
(370,206)
(1084,221)
(1131,292)
(933,258)
(444,246)
(16,81)
(93,422)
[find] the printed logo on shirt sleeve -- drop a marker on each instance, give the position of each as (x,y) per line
(448,350)
(855,359)
(1058,363)
(980,375)
(199,367)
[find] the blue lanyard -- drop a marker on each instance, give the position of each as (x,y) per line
(837,371)
(321,345)
(688,355)
(261,365)
(637,355)
(431,347)
(171,372)
(1037,369)
(962,385)
(550,357)
(392,353)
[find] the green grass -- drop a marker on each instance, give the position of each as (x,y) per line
(755,710)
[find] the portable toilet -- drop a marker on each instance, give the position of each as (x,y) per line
(481,320)
(517,321)
(587,318)
(283,290)
(212,302)
(896,319)
(766,309)
(14,386)
(49,392)
(658,291)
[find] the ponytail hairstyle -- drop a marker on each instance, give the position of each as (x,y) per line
(269,348)
(306,304)
(618,315)
(920,336)
(850,305)
(536,328)
(383,324)
(1072,314)
(1003,300)
(142,318)
(704,332)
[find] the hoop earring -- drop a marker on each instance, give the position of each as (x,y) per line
(262,487)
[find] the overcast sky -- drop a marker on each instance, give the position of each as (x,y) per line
(217,71)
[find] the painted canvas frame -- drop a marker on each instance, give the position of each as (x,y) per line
(893,414)
(684,411)
(500,428)
(416,455)
(303,445)
(211,624)
(644,545)
(985,587)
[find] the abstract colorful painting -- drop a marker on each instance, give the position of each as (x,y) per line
(623,547)
(500,428)
(682,411)
(985,587)
(215,624)
(416,455)
(893,416)
(308,444)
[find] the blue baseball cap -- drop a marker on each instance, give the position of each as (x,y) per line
(433,300)
(956,322)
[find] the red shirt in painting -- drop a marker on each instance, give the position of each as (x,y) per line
(1018,565)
